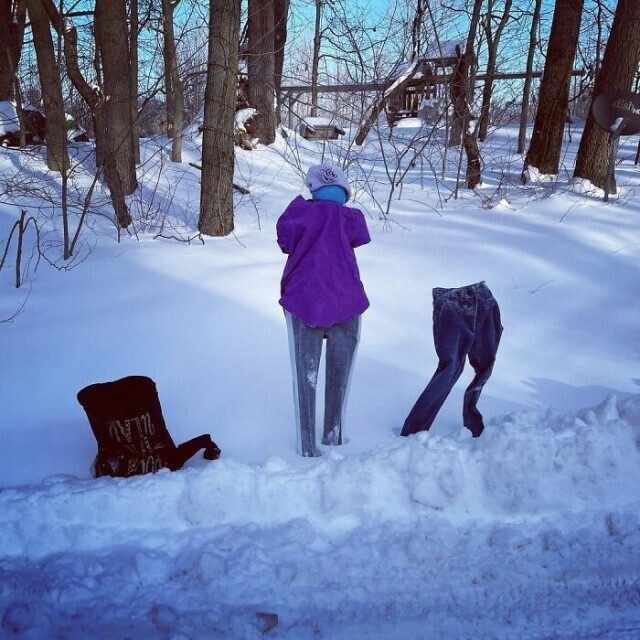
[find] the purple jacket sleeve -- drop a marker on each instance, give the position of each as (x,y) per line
(359,232)
(286,232)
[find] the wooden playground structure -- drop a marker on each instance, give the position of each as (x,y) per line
(403,94)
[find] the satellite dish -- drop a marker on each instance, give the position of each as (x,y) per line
(609,107)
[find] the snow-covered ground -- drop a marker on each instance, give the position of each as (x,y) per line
(532,531)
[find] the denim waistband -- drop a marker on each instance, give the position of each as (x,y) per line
(479,288)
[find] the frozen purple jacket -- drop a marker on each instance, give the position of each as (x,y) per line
(321,283)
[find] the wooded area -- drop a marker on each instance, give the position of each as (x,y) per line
(97,62)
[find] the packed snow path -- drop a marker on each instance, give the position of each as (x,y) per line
(531,531)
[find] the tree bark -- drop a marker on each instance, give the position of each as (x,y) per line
(111,35)
(526,93)
(51,85)
(618,69)
(463,80)
(281,15)
(216,187)
(416,27)
(493,42)
(12,19)
(315,59)
(175,106)
(261,67)
(95,99)
(133,56)
(546,142)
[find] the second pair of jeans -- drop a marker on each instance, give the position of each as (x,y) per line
(466,323)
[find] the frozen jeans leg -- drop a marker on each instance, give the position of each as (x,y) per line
(188,449)
(342,342)
(482,356)
(453,321)
(305,347)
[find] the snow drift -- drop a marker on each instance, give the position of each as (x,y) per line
(405,534)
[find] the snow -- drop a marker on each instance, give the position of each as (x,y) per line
(401,74)
(242,117)
(318,121)
(9,121)
(406,537)
(530,531)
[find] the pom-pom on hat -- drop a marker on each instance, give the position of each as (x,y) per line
(323,175)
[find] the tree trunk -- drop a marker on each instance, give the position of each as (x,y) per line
(474,161)
(175,105)
(12,19)
(618,69)
(526,94)
(17,92)
(463,80)
(315,60)
(51,85)
(416,29)
(281,15)
(216,189)
(546,142)
(260,62)
(96,101)
(133,56)
(166,68)
(493,42)
(111,35)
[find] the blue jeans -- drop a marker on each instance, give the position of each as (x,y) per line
(305,345)
(466,323)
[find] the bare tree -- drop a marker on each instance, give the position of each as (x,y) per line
(416,30)
(493,42)
(281,16)
(134,31)
(546,141)
(526,93)
(96,101)
(51,84)
(618,70)
(12,19)
(462,85)
(463,80)
(216,190)
(173,81)
(112,39)
(261,67)
(315,58)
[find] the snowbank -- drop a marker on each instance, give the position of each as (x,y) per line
(512,530)
(527,466)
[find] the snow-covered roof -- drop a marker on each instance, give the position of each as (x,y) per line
(401,74)
(319,121)
(409,68)
(9,121)
(447,49)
